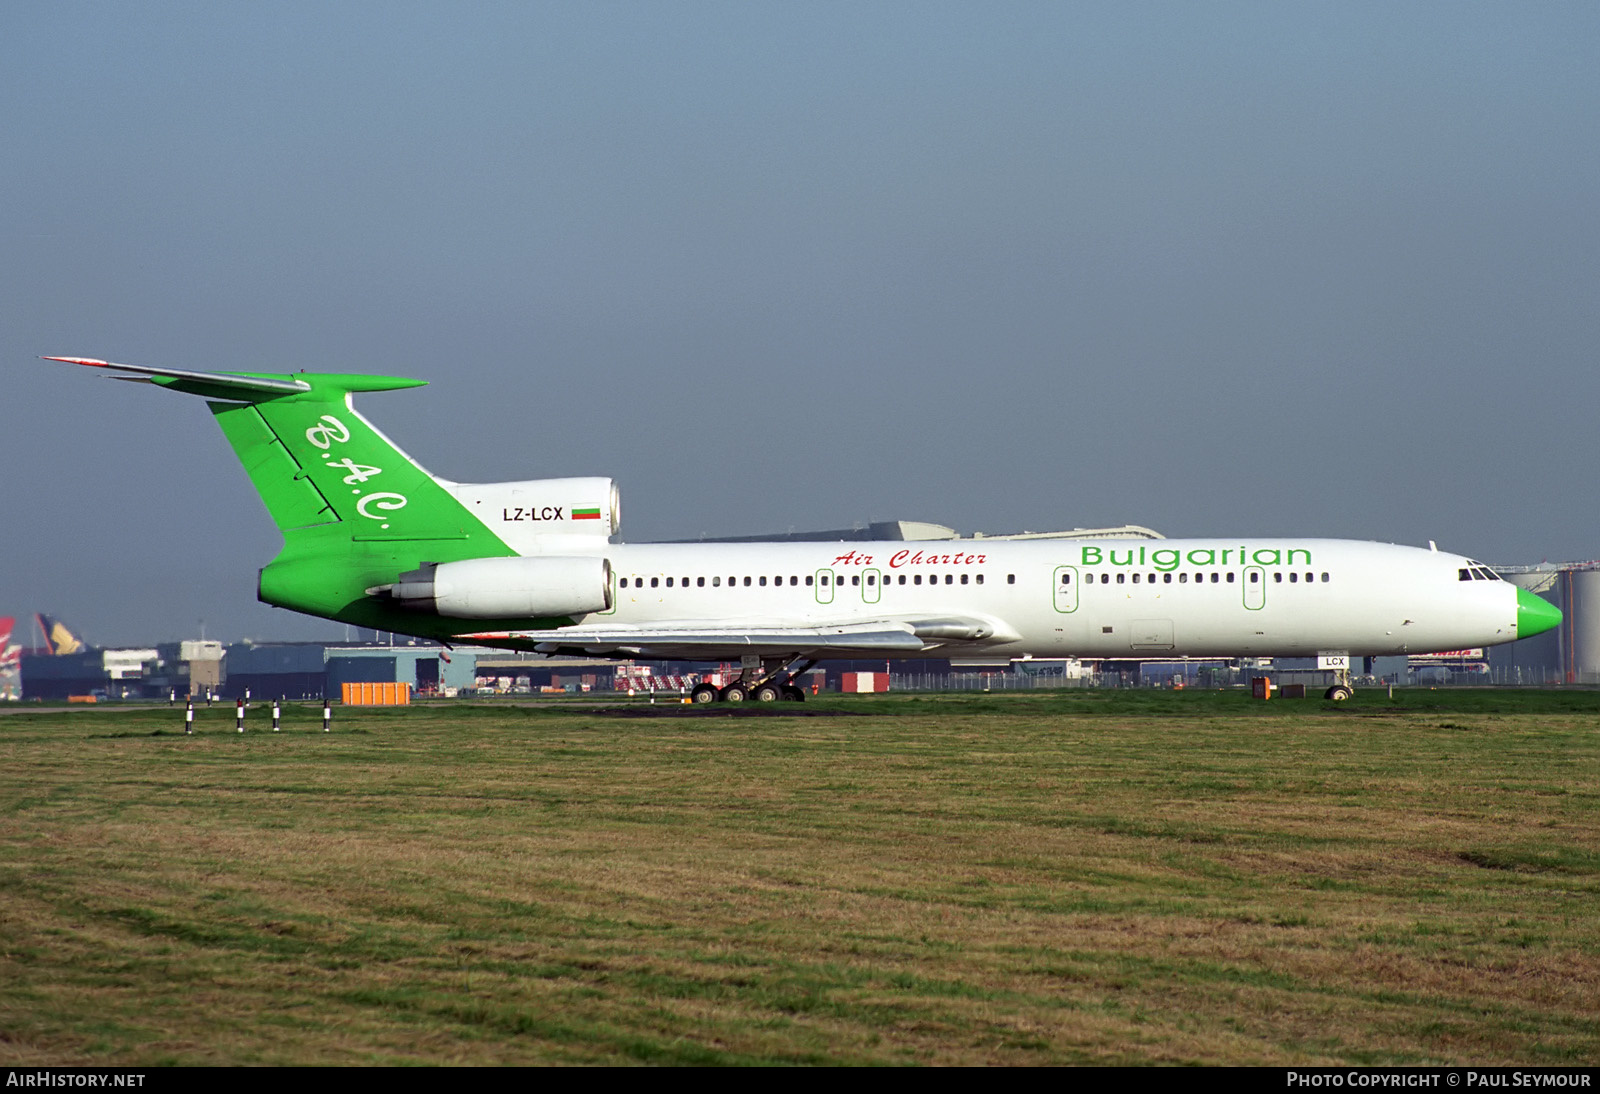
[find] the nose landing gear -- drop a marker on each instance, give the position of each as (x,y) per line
(1342,688)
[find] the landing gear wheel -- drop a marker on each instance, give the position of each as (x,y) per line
(734,693)
(703,693)
(793,694)
(1338,693)
(767,693)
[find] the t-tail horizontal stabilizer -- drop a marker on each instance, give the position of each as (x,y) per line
(274,385)
(251,387)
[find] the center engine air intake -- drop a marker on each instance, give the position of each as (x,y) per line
(507,588)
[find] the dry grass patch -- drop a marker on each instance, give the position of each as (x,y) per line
(961,881)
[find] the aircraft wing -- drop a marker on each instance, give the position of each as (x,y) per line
(708,640)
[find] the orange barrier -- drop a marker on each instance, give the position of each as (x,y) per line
(376,695)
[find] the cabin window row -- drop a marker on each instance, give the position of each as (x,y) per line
(762,580)
(1199,579)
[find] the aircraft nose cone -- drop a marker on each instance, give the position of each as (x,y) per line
(1535,615)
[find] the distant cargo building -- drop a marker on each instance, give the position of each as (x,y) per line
(61,676)
(292,670)
(313,670)
(153,672)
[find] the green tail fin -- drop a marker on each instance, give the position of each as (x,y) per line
(316,461)
(355,511)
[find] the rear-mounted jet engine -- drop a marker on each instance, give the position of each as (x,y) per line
(506,588)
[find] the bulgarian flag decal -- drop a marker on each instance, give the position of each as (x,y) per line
(586,514)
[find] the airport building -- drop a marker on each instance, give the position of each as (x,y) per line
(290,670)
(1570,654)
(157,671)
(314,670)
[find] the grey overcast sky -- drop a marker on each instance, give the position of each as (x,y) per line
(1316,269)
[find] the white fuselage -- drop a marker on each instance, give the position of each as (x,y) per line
(1089,599)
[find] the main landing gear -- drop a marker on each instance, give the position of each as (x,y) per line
(760,680)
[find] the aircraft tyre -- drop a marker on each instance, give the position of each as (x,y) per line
(703,693)
(767,693)
(793,694)
(734,693)
(1338,693)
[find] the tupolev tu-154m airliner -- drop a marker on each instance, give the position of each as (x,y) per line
(373,539)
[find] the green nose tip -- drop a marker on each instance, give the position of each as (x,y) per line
(1535,615)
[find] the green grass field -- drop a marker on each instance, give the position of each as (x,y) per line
(1078,877)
